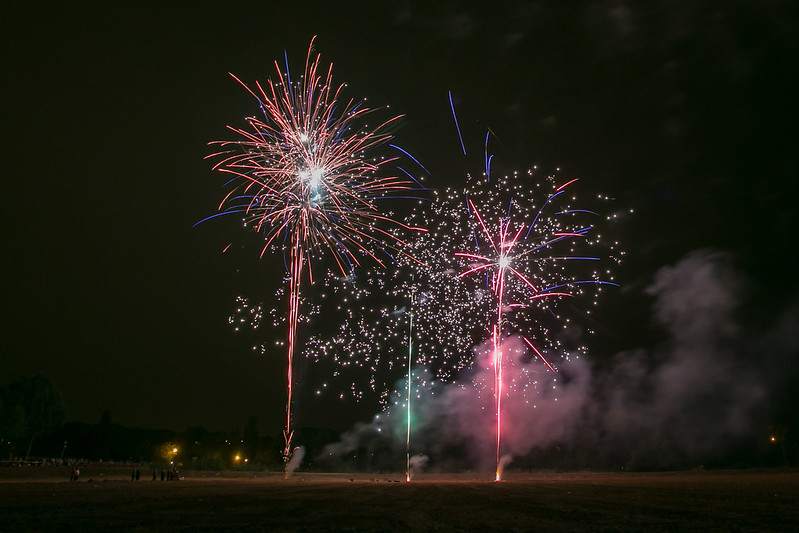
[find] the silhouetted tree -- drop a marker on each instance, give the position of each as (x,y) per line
(30,408)
(12,424)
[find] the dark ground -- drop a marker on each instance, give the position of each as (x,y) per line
(206,501)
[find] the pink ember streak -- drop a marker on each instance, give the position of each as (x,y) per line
(530,344)
(294,301)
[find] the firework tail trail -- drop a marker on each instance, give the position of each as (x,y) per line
(294,304)
(498,379)
(498,388)
(410,361)
(500,291)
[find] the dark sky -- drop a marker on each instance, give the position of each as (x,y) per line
(684,111)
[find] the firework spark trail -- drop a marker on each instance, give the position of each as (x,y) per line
(457,127)
(294,306)
(304,172)
(408,400)
(497,357)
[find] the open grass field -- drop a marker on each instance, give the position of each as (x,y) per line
(38,499)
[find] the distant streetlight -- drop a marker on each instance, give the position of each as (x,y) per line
(174,453)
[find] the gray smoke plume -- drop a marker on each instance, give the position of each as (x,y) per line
(295,460)
(504,461)
(692,398)
(418,462)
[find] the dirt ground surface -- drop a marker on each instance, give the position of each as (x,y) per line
(42,499)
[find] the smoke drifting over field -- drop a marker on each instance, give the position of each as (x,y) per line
(711,386)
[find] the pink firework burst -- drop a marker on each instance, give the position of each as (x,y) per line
(521,249)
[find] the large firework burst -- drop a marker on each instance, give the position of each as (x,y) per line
(305,176)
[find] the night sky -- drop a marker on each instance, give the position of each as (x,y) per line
(683,111)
